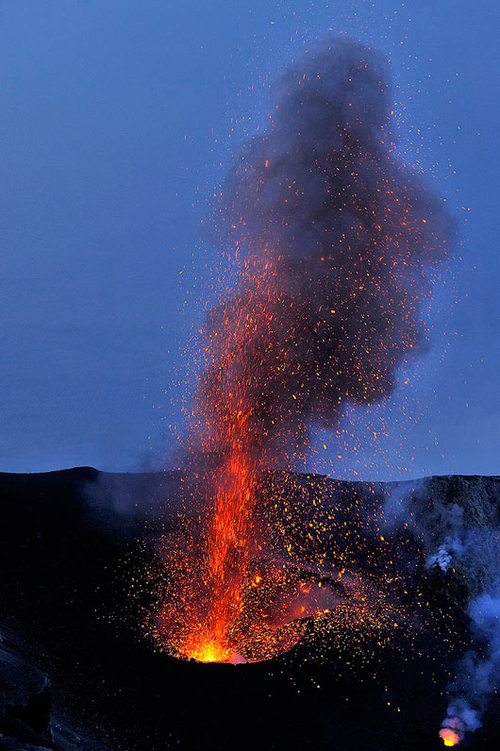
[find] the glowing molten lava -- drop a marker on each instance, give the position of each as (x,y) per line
(210,652)
(230,423)
(335,236)
(450,738)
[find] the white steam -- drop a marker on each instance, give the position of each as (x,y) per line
(450,540)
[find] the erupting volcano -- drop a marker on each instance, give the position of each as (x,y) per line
(221,590)
(334,239)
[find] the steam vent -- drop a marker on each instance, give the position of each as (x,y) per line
(364,641)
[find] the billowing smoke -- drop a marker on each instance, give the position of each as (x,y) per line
(336,238)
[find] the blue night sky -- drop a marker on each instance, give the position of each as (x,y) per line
(118,118)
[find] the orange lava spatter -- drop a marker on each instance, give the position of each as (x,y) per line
(335,237)
(234,453)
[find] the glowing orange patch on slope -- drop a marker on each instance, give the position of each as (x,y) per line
(449,737)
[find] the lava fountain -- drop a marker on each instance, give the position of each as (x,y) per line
(335,240)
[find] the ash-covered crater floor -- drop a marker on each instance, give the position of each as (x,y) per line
(75,543)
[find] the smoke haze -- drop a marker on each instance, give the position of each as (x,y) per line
(461,536)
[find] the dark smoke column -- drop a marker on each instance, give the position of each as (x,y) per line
(349,232)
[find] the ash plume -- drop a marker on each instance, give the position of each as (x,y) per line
(336,238)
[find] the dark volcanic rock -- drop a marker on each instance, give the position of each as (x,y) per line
(64,539)
(26,719)
(25,698)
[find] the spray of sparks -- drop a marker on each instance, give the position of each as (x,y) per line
(334,238)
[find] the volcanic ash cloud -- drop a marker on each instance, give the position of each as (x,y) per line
(337,237)
(335,240)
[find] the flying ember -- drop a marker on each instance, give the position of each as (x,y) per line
(335,237)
